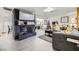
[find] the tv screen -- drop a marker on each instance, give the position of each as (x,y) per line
(25,16)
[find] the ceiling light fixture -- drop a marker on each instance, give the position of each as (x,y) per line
(49,9)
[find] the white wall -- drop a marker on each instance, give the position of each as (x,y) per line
(6,40)
(72,15)
(5,20)
(40,22)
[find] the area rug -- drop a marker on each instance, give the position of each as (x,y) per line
(46,38)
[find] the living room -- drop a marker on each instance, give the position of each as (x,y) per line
(36,28)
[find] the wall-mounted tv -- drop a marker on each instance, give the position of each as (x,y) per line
(25,16)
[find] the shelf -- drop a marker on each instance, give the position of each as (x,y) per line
(28,20)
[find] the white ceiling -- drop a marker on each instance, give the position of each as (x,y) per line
(39,11)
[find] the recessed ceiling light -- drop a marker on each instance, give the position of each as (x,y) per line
(49,9)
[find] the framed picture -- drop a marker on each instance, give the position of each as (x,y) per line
(65,19)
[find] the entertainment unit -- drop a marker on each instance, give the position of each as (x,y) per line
(24,24)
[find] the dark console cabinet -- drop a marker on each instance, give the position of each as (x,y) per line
(23,27)
(60,43)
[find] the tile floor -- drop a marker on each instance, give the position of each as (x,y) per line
(34,43)
(7,43)
(30,44)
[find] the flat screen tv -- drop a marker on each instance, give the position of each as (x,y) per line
(25,16)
